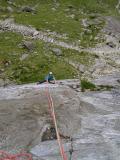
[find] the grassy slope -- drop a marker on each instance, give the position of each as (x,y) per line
(35,66)
(63,17)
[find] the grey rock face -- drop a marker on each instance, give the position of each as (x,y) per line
(112,26)
(110,80)
(90,119)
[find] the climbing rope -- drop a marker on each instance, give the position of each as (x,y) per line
(52,113)
(26,156)
(20,156)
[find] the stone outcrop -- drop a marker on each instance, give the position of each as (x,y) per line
(88,122)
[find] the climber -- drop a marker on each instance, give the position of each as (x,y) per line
(49,79)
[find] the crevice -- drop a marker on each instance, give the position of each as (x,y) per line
(71,150)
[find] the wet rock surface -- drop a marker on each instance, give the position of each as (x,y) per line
(89,122)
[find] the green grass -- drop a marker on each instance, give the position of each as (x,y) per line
(59,20)
(85,84)
(35,66)
(84,58)
(65,17)
(10,40)
(9,47)
(53,17)
(39,64)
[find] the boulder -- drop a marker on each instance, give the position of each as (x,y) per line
(111,44)
(81,68)
(27,9)
(84,22)
(24,56)
(57,51)
(28,45)
(70,6)
(2,70)
(2,82)
(35,33)
(9,9)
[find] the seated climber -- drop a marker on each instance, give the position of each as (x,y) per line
(49,79)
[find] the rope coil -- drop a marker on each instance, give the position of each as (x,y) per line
(20,156)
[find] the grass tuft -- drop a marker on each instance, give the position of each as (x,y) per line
(85,84)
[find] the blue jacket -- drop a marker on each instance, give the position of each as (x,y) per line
(49,77)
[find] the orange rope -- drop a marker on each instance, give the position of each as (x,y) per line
(51,107)
(7,156)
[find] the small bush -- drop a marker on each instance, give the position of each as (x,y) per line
(85,84)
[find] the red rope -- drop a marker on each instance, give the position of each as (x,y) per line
(52,113)
(7,156)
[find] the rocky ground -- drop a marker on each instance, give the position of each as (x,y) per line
(88,121)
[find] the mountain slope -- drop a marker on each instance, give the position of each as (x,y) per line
(74,23)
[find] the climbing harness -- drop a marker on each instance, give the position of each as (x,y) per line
(52,113)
